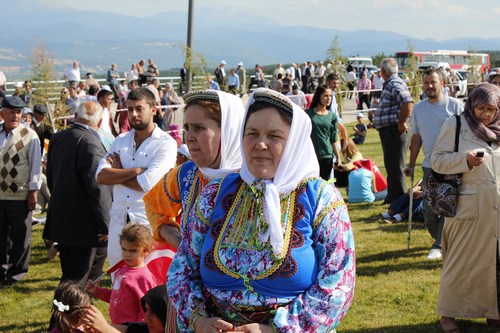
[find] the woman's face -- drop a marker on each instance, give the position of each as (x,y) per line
(326,97)
(152,321)
(27,118)
(203,136)
(264,142)
(485,113)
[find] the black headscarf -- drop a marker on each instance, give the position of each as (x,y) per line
(484,93)
(157,300)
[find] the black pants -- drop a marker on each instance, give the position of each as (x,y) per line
(325,168)
(232,89)
(363,98)
(81,263)
(394,146)
(350,86)
(341,178)
(15,239)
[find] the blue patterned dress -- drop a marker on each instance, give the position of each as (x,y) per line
(225,258)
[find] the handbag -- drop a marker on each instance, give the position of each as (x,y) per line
(441,191)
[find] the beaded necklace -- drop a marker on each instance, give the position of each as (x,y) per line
(245,228)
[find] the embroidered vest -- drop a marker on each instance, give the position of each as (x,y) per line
(233,258)
(14,165)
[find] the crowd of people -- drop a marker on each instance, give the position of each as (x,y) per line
(258,236)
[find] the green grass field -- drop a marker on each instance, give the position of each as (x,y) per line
(396,289)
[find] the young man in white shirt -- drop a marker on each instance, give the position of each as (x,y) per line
(134,164)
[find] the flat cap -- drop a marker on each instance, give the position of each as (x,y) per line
(13,102)
(40,109)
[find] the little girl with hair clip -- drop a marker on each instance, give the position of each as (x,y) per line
(69,299)
(132,280)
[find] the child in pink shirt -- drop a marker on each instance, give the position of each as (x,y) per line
(130,282)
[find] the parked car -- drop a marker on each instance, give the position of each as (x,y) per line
(369,69)
(460,85)
(473,79)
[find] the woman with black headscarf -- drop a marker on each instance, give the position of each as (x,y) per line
(469,287)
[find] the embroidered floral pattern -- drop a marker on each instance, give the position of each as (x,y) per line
(320,308)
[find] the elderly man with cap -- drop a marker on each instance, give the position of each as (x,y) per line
(39,114)
(20,172)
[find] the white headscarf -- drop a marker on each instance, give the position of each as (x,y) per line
(297,162)
(232,112)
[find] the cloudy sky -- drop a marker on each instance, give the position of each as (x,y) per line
(438,19)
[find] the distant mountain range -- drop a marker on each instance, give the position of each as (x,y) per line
(98,39)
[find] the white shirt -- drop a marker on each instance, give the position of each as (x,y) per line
(156,154)
(105,126)
(299,99)
(351,77)
(3,80)
(378,82)
(292,73)
(334,108)
(133,74)
(73,74)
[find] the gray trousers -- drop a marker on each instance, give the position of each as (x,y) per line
(394,146)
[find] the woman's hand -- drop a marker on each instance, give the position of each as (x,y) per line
(212,325)
(253,328)
(95,321)
(473,160)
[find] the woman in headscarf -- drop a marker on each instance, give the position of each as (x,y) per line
(212,124)
(469,279)
(270,248)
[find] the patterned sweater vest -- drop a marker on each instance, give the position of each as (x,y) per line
(14,165)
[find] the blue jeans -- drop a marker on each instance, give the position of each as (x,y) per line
(402,206)
(380,195)
(433,222)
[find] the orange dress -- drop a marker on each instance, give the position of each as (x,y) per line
(174,194)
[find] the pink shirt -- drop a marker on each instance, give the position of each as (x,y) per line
(365,85)
(124,299)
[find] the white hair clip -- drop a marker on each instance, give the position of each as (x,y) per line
(60,306)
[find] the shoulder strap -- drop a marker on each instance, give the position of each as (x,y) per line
(457,132)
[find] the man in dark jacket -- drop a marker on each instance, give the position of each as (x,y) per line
(78,214)
(43,132)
